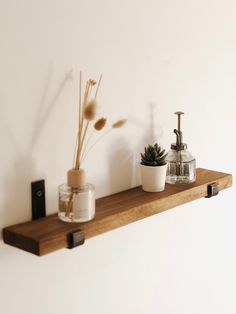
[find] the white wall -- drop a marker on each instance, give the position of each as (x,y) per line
(155,55)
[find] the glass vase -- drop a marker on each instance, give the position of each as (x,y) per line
(76,204)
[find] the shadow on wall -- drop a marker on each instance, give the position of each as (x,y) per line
(17,189)
(125,159)
(120,166)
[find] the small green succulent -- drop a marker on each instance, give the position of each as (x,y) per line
(153,155)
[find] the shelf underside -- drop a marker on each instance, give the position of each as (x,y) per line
(49,234)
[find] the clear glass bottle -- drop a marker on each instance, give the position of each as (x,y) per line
(76,200)
(181,165)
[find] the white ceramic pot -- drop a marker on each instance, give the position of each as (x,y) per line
(153,178)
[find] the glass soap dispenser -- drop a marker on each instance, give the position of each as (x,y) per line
(181,165)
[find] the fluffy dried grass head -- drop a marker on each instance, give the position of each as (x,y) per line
(90,110)
(118,124)
(92,82)
(99,125)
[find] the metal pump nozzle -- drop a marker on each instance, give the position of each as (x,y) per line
(179,136)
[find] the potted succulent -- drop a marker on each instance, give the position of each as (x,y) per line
(153,168)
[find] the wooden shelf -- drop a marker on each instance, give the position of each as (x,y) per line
(49,234)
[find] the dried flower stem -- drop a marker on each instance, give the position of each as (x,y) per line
(80,101)
(86,143)
(77,164)
(99,82)
(83,130)
(87,111)
(75,152)
(83,138)
(97,141)
(118,124)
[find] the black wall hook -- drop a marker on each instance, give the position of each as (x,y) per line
(38,199)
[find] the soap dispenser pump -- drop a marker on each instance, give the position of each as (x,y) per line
(181,165)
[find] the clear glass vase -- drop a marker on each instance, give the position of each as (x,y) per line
(76,204)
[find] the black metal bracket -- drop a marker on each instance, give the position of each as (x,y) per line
(38,199)
(212,189)
(75,238)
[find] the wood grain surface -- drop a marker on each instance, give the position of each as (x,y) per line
(49,234)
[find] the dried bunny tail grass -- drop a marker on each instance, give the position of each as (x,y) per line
(99,125)
(119,123)
(92,82)
(90,110)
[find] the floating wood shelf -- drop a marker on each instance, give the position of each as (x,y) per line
(49,234)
